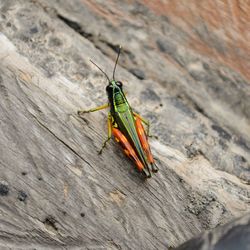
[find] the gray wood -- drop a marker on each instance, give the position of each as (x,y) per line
(56,192)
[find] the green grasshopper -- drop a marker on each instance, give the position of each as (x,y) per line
(126,125)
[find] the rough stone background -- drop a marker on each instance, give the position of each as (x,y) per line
(185,67)
(232,236)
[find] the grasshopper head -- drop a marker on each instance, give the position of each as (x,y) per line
(115,93)
(113,87)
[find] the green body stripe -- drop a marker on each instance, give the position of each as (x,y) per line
(124,118)
(127,120)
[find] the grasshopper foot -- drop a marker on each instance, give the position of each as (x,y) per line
(153,136)
(146,174)
(80,112)
(103,146)
(154,168)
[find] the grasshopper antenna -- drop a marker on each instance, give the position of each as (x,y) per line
(101,70)
(119,52)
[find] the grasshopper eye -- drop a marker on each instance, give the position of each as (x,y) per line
(119,84)
(109,87)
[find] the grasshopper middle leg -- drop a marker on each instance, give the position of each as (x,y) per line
(109,133)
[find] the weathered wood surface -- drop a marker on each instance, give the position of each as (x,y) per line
(55,190)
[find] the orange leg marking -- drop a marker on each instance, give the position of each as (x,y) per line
(143,139)
(128,150)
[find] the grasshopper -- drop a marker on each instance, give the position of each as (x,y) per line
(126,125)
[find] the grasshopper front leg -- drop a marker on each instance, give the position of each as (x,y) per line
(80,112)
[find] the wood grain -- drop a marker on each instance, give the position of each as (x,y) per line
(56,192)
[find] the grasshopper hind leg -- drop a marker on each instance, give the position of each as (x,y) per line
(144,141)
(129,151)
